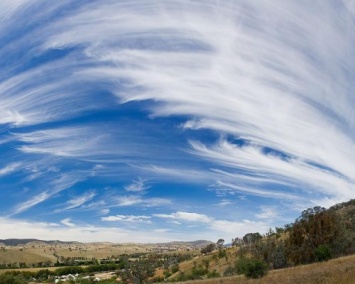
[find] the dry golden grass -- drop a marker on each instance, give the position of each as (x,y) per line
(336,271)
(37,252)
(15,256)
(214,263)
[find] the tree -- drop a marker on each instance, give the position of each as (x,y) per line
(322,253)
(251,238)
(220,243)
(237,241)
(251,268)
(255,269)
(314,228)
(208,248)
(11,279)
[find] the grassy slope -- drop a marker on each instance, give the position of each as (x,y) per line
(214,263)
(335,271)
(38,253)
(12,255)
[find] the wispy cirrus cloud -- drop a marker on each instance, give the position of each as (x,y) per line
(62,182)
(267,213)
(134,200)
(276,89)
(185,216)
(67,222)
(127,218)
(138,185)
(77,142)
(23,206)
(77,201)
(225,227)
(9,168)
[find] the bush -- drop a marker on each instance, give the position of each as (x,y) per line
(230,271)
(322,253)
(11,279)
(251,268)
(213,274)
(166,273)
(209,248)
(175,268)
(222,253)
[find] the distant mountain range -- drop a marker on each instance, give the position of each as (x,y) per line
(198,243)
(16,242)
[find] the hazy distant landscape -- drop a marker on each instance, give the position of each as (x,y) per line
(36,253)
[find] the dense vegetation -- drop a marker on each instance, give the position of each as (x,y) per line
(317,235)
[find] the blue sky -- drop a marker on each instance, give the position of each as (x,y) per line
(153,121)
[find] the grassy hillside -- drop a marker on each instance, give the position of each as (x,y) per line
(317,235)
(22,256)
(35,252)
(335,271)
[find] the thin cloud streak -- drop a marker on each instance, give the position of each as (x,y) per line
(78,201)
(9,168)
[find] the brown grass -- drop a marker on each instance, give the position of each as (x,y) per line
(15,256)
(336,271)
(34,253)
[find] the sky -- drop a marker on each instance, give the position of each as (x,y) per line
(155,121)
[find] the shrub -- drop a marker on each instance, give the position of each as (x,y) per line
(230,271)
(166,273)
(251,268)
(11,279)
(222,253)
(213,274)
(175,268)
(322,253)
(209,248)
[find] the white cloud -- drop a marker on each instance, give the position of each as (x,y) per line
(9,169)
(185,216)
(8,8)
(79,142)
(218,227)
(64,181)
(272,169)
(127,218)
(132,200)
(67,222)
(78,201)
(234,229)
(250,190)
(271,76)
(267,213)
(30,203)
(138,185)
(104,211)
(225,202)
(14,228)
(214,229)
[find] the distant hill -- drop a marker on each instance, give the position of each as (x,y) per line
(16,242)
(198,243)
